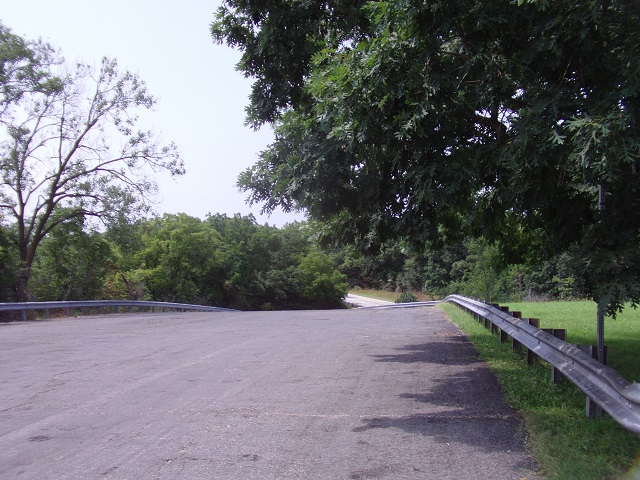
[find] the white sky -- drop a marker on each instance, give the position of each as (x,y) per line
(201,95)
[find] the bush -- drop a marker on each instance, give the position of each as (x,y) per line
(406,297)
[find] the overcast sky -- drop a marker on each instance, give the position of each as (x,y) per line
(201,95)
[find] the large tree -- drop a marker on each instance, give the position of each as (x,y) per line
(70,146)
(432,120)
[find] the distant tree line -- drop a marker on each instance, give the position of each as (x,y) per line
(224,261)
(236,262)
(472,267)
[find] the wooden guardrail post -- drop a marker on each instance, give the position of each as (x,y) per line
(504,336)
(532,357)
(561,333)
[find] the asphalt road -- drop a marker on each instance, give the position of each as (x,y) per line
(353,394)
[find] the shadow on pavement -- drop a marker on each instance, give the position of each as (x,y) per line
(462,405)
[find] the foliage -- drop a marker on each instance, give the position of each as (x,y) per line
(278,40)
(439,120)
(70,147)
(9,264)
(406,297)
(25,67)
(224,261)
(72,264)
(379,271)
(179,258)
(322,285)
(473,267)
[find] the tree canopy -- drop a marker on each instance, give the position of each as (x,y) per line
(517,121)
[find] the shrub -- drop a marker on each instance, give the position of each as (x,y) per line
(406,297)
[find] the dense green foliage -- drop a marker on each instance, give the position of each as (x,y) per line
(472,267)
(434,121)
(224,261)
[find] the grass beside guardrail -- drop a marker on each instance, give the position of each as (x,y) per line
(566,444)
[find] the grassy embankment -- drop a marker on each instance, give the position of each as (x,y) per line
(566,443)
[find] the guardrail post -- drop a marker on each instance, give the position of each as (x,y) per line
(504,336)
(67,312)
(495,329)
(561,333)
(516,346)
(532,357)
(487,323)
(23,314)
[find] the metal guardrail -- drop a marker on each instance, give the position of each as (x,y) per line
(602,384)
(102,304)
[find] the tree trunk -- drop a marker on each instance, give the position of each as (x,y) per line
(22,291)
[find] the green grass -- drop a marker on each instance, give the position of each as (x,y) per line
(566,444)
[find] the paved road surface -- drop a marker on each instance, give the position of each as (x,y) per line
(353,394)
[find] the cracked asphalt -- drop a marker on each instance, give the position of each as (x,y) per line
(347,394)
